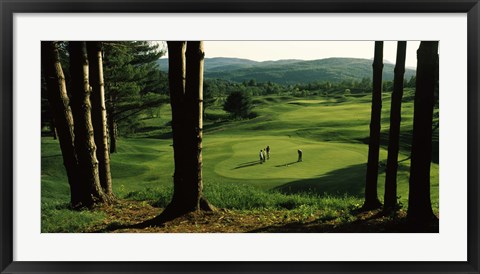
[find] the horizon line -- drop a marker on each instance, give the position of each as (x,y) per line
(294,59)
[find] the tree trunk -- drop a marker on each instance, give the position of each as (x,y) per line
(85,148)
(62,115)
(99,116)
(52,127)
(186,88)
(194,101)
(420,211)
(112,127)
(371,197)
(176,76)
(390,198)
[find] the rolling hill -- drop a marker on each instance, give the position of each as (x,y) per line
(292,71)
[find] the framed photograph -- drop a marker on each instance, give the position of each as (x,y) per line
(239,136)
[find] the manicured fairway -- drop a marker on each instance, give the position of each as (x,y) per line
(331,131)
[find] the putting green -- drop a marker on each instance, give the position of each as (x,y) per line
(241,158)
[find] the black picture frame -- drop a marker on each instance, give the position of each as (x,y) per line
(9,7)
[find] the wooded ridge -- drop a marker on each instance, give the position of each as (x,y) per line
(293,71)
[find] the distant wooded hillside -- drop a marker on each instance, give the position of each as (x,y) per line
(292,71)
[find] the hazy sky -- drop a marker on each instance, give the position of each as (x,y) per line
(306,50)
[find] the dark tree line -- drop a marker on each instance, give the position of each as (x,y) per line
(223,88)
(420,214)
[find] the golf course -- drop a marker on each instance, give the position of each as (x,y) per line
(324,189)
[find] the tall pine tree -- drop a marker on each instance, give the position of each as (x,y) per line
(59,104)
(420,212)
(133,83)
(99,116)
(186,94)
(371,197)
(390,197)
(85,148)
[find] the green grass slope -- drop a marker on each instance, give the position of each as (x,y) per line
(331,131)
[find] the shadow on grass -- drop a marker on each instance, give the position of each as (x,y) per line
(149,128)
(345,181)
(215,125)
(364,222)
(288,164)
(163,135)
(248,164)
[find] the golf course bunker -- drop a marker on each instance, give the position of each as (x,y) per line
(319,158)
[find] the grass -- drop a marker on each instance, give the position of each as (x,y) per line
(247,197)
(331,131)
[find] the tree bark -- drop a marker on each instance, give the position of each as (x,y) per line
(84,140)
(62,115)
(420,211)
(176,76)
(53,129)
(186,93)
(194,100)
(390,197)
(99,116)
(112,127)
(371,197)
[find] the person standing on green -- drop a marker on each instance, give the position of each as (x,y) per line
(300,154)
(268,152)
(261,156)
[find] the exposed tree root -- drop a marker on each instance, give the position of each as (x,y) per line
(175,210)
(95,203)
(110,199)
(206,206)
